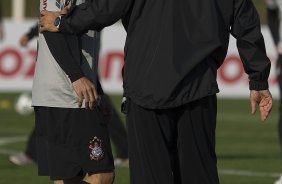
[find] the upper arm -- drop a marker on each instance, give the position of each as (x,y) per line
(94,15)
(245,19)
(68,59)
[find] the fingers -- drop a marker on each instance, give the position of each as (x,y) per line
(80,99)
(92,97)
(63,12)
(262,113)
(48,28)
(265,108)
(42,24)
(86,93)
(97,98)
(253,106)
(43,12)
(43,29)
(86,99)
(90,92)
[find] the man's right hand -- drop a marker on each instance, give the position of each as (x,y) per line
(86,91)
(24,40)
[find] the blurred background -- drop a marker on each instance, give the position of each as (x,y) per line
(248,150)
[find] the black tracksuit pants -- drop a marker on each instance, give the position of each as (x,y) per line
(173,146)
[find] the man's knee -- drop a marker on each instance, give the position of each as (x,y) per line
(100,178)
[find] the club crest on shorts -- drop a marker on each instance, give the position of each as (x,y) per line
(95,146)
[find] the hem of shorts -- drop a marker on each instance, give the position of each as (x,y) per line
(70,106)
(95,171)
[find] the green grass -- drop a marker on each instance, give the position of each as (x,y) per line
(243,144)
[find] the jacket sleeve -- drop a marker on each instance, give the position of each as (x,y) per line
(246,29)
(93,14)
(62,53)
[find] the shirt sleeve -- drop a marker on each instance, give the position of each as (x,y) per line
(246,29)
(65,57)
(33,32)
(93,14)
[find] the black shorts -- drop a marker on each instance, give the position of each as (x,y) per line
(71,142)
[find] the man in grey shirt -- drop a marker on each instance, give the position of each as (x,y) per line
(70,113)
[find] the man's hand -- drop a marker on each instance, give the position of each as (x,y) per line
(47,20)
(263,99)
(24,40)
(86,91)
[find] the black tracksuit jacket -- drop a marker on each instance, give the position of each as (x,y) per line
(173,47)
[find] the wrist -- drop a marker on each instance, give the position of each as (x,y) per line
(76,76)
(57,22)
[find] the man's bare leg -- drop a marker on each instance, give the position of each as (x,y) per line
(100,178)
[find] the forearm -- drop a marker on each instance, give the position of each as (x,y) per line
(255,61)
(33,32)
(246,29)
(93,15)
(66,59)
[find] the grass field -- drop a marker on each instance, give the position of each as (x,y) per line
(248,150)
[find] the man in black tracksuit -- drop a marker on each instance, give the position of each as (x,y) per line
(172,52)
